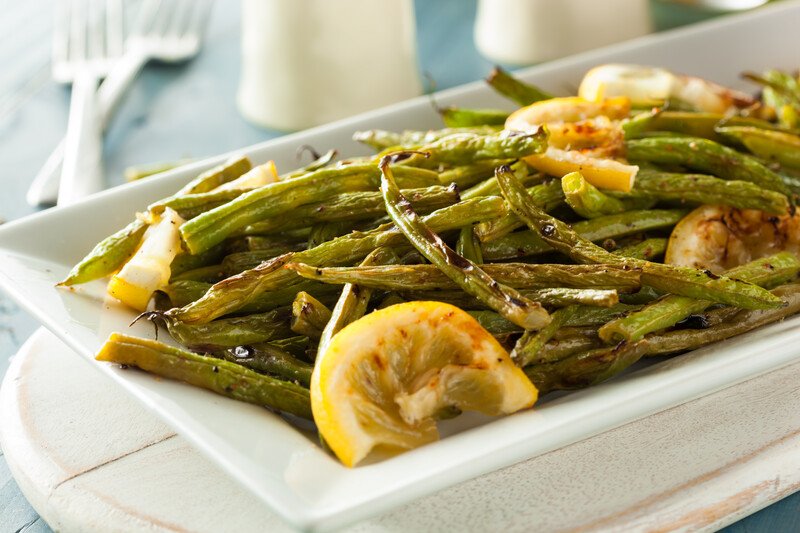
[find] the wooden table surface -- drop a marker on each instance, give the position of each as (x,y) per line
(189,111)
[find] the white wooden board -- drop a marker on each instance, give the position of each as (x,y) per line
(90,458)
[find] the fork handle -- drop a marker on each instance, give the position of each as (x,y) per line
(81,172)
(43,189)
(117,82)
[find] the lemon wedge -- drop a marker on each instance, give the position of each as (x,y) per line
(602,173)
(578,127)
(149,268)
(383,379)
(567,109)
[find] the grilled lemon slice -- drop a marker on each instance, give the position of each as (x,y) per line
(382,380)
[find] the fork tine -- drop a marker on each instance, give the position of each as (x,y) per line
(95,29)
(165,12)
(179,18)
(145,17)
(61,29)
(115,30)
(77,30)
(201,9)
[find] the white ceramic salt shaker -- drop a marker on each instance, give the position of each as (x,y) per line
(531,31)
(308,62)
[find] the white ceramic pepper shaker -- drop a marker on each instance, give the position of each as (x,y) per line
(308,62)
(531,31)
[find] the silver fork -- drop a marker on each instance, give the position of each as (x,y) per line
(88,39)
(165,30)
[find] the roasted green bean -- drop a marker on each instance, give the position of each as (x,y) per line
(677,280)
(518,91)
(469,276)
(223,377)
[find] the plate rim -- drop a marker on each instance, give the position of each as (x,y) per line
(324,518)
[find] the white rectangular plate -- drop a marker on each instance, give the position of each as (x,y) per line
(285,467)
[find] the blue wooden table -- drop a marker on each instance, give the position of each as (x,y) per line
(188,111)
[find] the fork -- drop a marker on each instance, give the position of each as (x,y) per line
(87,40)
(165,30)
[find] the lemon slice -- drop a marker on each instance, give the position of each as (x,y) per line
(643,85)
(383,379)
(602,173)
(567,109)
(149,268)
(648,86)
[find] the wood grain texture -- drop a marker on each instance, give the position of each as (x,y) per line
(111,465)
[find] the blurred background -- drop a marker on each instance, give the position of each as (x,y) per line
(256,60)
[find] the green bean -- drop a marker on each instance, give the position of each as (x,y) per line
(222,377)
(468,245)
(469,175)
(353,302)
(494,323)
(589,202)
(267,359)
(185,261)
(138,172)
(552,297)
(657,185)
(320,161)
(200,191)
(671,309)
(296,346)
(568,345)
(469,276)
(597,316)
(644,296)
(517,275)
(528,346)
(547,196)
(489,187)
(382,139)
(744,321)
(667,278)
(517,91)
(525,243)
(459,117)
(705,156)
(108,256)
(226,332)
(648,249)
(781,92)
(216,176)
(309,316)
(239,262)
(275,199)
(585,369)
(185,293)
(326,231)
(778,146)
(231,294)
(689,123)
(207,274)
(189,206)
(463,149)
(274,244)
(353,206)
